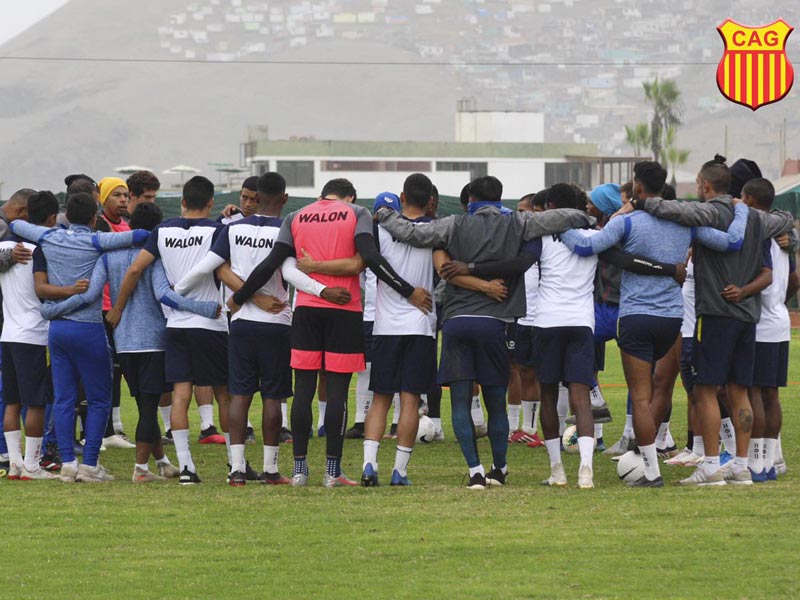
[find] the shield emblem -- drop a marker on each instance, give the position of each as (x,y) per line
(754,70)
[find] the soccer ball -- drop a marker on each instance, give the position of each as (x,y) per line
(426,431)
(570,440)
(630,466)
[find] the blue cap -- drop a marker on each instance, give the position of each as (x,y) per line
(387,199)
(607,198)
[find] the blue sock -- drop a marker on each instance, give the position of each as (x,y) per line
(300,466)
(333,466)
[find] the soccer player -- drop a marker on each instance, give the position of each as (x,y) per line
(724,345)
(324,334)
(197,346)
(78,344)
(139,337)
(474,332)
(248,203)
(651,309)
(404,352)
(143,187)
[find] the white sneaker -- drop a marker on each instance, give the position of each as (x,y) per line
(700,478)
(558,478)
(299,480)
(734,477)
(677,461)
(14,472)
(142,476)
(585,474)
(68,474)
(37,474)
(116,441)
(97,474)
(780,467)
(168,471)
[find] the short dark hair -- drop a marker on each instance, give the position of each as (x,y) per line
(271,184)
(418,190)
(41,206)
(717,175)
(21,196)
(81,186)
(251,183)
(141,182)
(651,175)
(486,189)
(581,197)
(81,208)
(562,195)
(540,198)
(434,191)
(70,179)
(341,188)
(717,160)
(669,193)
(761,190)
(627,189)
(463,197)
(198,192)
(146,215)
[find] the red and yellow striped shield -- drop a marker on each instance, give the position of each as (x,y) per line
(754,69)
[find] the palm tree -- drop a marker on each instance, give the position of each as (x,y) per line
(638,136)
(674,157)
(665,98)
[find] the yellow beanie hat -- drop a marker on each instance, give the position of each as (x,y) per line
(108,185)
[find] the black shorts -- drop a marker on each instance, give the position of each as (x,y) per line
(523,345)
(368,327)
(564,354)
(724,351)
(772,364)
(474,348)
(605,329)
(199,356)
(403,363)
(26,376)
(329,338)
(145,372)
(646,337)
(258,359)
(688,373)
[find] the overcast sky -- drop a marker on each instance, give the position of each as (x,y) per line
(17,15)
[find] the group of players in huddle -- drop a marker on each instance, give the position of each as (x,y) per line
(525,301)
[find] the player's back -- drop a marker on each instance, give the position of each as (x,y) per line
(22,323)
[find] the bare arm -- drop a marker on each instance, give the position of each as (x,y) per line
(341,266)
(47,291)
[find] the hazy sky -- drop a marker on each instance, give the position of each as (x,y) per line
(17,15)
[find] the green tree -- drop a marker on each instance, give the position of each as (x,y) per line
(638,137)
(674,156)
(665,99)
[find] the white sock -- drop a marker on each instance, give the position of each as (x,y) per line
(401,458)
(779,450)
(164,460)
(206,415)
(478,469)
(598,431)
(371,453)
(236,457)
(33,452)
(769,452)
(14,448)
(284,415)
(227,437)
(663,437)
(166,415)
(116,417)
(553,450)
(513,416)
(396,409)
(73,464)
(271,459)
(754,460)
(144,467)
(628,430)
(710,464)
(363,395)
(249,424)
(650,459)
(181,439)
(562,407)
(596,397)
(322,408)
(728,435)
(437,421)
(529,416)
(739,463)
(586,448)
(698,447)
(477,412)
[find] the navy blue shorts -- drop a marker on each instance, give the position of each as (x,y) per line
(772,364)
(523,346)
(403,363)
(564,354)
(26,377)
(145,372)
(646,337)
(511,340)
(368,340)
(605,330)
(258,359)
(474,348)
(198,356)
(688,373)
(724,351)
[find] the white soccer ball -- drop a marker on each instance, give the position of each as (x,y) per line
(426,431)
(630,466)
(570,440)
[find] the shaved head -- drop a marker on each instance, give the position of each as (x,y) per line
(17,205)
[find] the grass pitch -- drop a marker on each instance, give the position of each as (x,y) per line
(431,540)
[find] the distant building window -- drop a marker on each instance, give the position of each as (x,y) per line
(375,165)
(475,169)
(298,173)
(570,172)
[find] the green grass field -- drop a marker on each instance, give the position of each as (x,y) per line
(165,541)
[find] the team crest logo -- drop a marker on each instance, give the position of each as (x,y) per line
(754,70)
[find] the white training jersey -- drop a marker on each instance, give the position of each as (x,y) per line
(775,325)
(181,243)
(566,286)
(232,219)
(22,321)
(531,295)
(370,284)
(394,315)
(689,318)
(224,292)
(246,243)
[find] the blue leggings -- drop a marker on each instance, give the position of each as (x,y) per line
(495,398)
(79,352)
